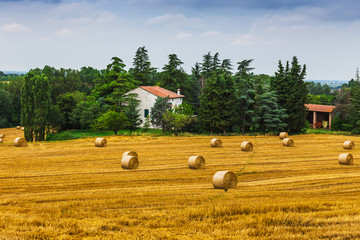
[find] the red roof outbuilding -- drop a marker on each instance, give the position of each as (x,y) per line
(320,108)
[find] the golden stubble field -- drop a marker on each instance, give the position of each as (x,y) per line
(73,190)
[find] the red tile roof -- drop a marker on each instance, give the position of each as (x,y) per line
(161,92)
(320,108)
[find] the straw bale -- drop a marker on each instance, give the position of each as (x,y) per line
(196,162)
(349,145)
(22,128)
(215,142)
(346,159)
(18,127)
(1,141)
(283,135)
(130,153)
(225,180)
(288,142)
(129,162)
(20,142)
(100,142)
(247,146)
(2,135)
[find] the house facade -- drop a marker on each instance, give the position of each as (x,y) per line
(148,95)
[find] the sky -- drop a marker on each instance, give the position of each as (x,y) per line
(323,34)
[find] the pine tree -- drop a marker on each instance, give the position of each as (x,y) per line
(218,104)
(226,66)
(244,67)
(173,75)
(244,81)
(292,93)
(195,87)
(215,62)
(142,67)
(207,66)
(246,105)
(114,84)
(271,115)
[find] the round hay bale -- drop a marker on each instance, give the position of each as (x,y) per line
(2,135)
(20,142)
(22,128)
(283,135)
(288,142)
(196,162)
(100,142)
(1,141)
(129,162)
(346,159)
(18,127)
(349,145)
(225,180)
(215,142)
(130,153)
(247,146)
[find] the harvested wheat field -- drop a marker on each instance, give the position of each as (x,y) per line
(74,190)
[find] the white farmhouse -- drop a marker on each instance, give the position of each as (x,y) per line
(148,95)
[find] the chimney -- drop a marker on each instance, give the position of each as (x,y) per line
(178,91)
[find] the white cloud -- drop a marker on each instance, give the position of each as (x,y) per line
(183,35)
(245,40)
(211,33)
(14,28)
(64,32)
(294,21)
(173,20)
(106,17)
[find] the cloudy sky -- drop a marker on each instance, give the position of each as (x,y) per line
(323,34)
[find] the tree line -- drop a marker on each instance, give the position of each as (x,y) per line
(219,97)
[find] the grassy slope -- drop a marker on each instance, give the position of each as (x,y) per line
(72,189)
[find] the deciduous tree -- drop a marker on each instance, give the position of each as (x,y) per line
(161,106)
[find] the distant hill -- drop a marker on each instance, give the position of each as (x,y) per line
(330,83)
(14,72)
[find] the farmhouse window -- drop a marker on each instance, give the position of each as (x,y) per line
(146,112)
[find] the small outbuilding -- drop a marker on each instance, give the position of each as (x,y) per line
(320,116)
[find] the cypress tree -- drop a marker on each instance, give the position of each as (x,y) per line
(42,106)
(35,105)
